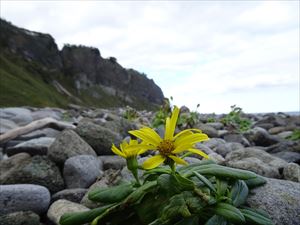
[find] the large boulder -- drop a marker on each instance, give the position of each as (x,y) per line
(60,207)
(23,169)
(20,218)
(99,137)
(280,199)
(20,116)
(81,171)
(260,137)
(37,146)
(68,144)
(257,161)
(20,197)
(73,195)
(292,172)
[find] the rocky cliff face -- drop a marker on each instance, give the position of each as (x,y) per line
(87,72)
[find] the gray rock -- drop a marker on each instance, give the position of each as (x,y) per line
(284,134)
(274,120)
(110,178)
(238,138)
(73,195)
(280,198)
(99,137)
(20,116)
(216,125)
(212,144)
(38,146)
(46,112)
(46,132)
(127,175)
(81,171)
(112,162)
(224,149)
(292,172)
(260,137)
(68,144)
(60,207)
(256,160)
(266,126)
(209,130)
(23,169)
(6,125)
(276,130)
(217,158)
(284,146)
(21,197)
(289,156)
(20,218)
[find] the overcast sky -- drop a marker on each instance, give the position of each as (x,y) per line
(216,53)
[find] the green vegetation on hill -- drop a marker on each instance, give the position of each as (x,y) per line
(19,86)
(24,83)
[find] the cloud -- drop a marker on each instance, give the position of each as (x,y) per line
(226,51)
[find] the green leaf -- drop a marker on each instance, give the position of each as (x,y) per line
(239,193)
(189,221)
(111,194)
(254,217)
(229,212)
(184,183)
(222,187)
(136,196)
(173,184)
(176,207)
(192,167)
(255,182)
(78,218)
(158,170)
(216,220)
(223,172)
(205,181)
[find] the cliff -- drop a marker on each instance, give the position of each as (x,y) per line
(35,72)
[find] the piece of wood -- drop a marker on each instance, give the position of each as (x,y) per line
(35,125)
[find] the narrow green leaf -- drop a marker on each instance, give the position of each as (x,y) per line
(230,213)
(205,181)
(254,217)
(176,207)
(78,218)
(223,172)
(139,193)
(239,193)
(189,167)
(216,220)
(222,186)
(184,183)
(255,182)
(111,194)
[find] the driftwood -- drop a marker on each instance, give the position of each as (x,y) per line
(35,125)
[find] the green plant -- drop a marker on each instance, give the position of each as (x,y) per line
(295,136)
(163,112)
(234,120)
(189,120)
(203,193)
(130,113)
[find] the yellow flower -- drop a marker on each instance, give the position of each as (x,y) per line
(171,144)
(128,150)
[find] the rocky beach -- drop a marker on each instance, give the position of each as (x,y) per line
(49,171)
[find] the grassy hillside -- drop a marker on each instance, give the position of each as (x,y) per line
(19,86)
(25,83)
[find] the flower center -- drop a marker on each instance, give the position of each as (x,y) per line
(166,147)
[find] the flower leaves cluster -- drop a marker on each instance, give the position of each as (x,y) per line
(202,193)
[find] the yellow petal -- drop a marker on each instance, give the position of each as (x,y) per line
(171,124)
(152,133)
(192,139)
(145,136)
(188,131)
(199,152)
(117,151)
(182,148)
(178,160)
(153,162)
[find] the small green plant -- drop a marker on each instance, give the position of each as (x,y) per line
(234,121)
(198,194)
(130,113)
(295,136)
(164,111)
(189,120)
